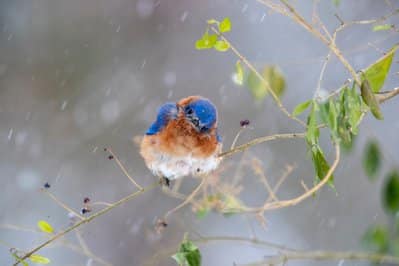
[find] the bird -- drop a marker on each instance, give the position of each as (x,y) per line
(183,140)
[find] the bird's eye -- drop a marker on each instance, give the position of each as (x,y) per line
(189,110)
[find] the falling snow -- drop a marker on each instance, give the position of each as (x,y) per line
(169,79)
(184,16)
(145,8)
(110,111)
(64,105)
(10,133)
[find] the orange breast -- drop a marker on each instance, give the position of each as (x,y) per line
(180,138)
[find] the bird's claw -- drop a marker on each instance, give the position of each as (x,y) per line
(164,181)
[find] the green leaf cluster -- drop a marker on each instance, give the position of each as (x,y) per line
(215,41)
(271,75)
(188,254)
(320,163)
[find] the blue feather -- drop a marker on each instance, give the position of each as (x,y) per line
(166,112)
(204,112)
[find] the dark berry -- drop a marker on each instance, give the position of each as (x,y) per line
(244,123)
(86,200)
(85,210)
(47,185)
(110,157)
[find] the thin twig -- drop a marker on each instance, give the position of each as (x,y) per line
(244,240)
(386,95)
(307,194)
(87,251)
(124,169)
(84,221)
(261,78)
(323,69)
(256,167)
(327,255)
(236,137)
(281,180)
(256,141)
(188,199)
(63,205)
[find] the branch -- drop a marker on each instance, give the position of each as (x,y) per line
(386,95)
(327,255)
(244,240)
(291,12)
(260,77)
(259,140)
(84,221)
(307,194)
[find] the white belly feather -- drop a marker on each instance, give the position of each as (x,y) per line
(173,167)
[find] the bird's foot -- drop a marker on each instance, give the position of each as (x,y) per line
(164,181)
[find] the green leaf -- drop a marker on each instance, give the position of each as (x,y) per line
(180,258)
(300,108)
(188,254)
(212,21)
(337,2)
(18,259)
(312,132)
(202,212)
(329,115)
(221,46)
(272,76)
(239,75)
(256,86)
(321,166)
(38,259)
(200,45)
(275,78)
(231,205)
(382,27)
(372,159)
(332,116)
(391,192)
(45,227)
(225,25)
(206,42)
(378,71)
(347,144)
(370,99)
(376,239)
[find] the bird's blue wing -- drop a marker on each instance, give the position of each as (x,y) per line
(166,112)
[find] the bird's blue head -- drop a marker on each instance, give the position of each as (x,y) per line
(201,113)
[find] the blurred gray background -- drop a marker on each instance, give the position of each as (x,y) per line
(77,76)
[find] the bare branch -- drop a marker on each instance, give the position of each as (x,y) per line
(386,95)
(327,255)
(256,141)
(84,221)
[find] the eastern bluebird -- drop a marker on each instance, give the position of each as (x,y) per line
(183,140)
